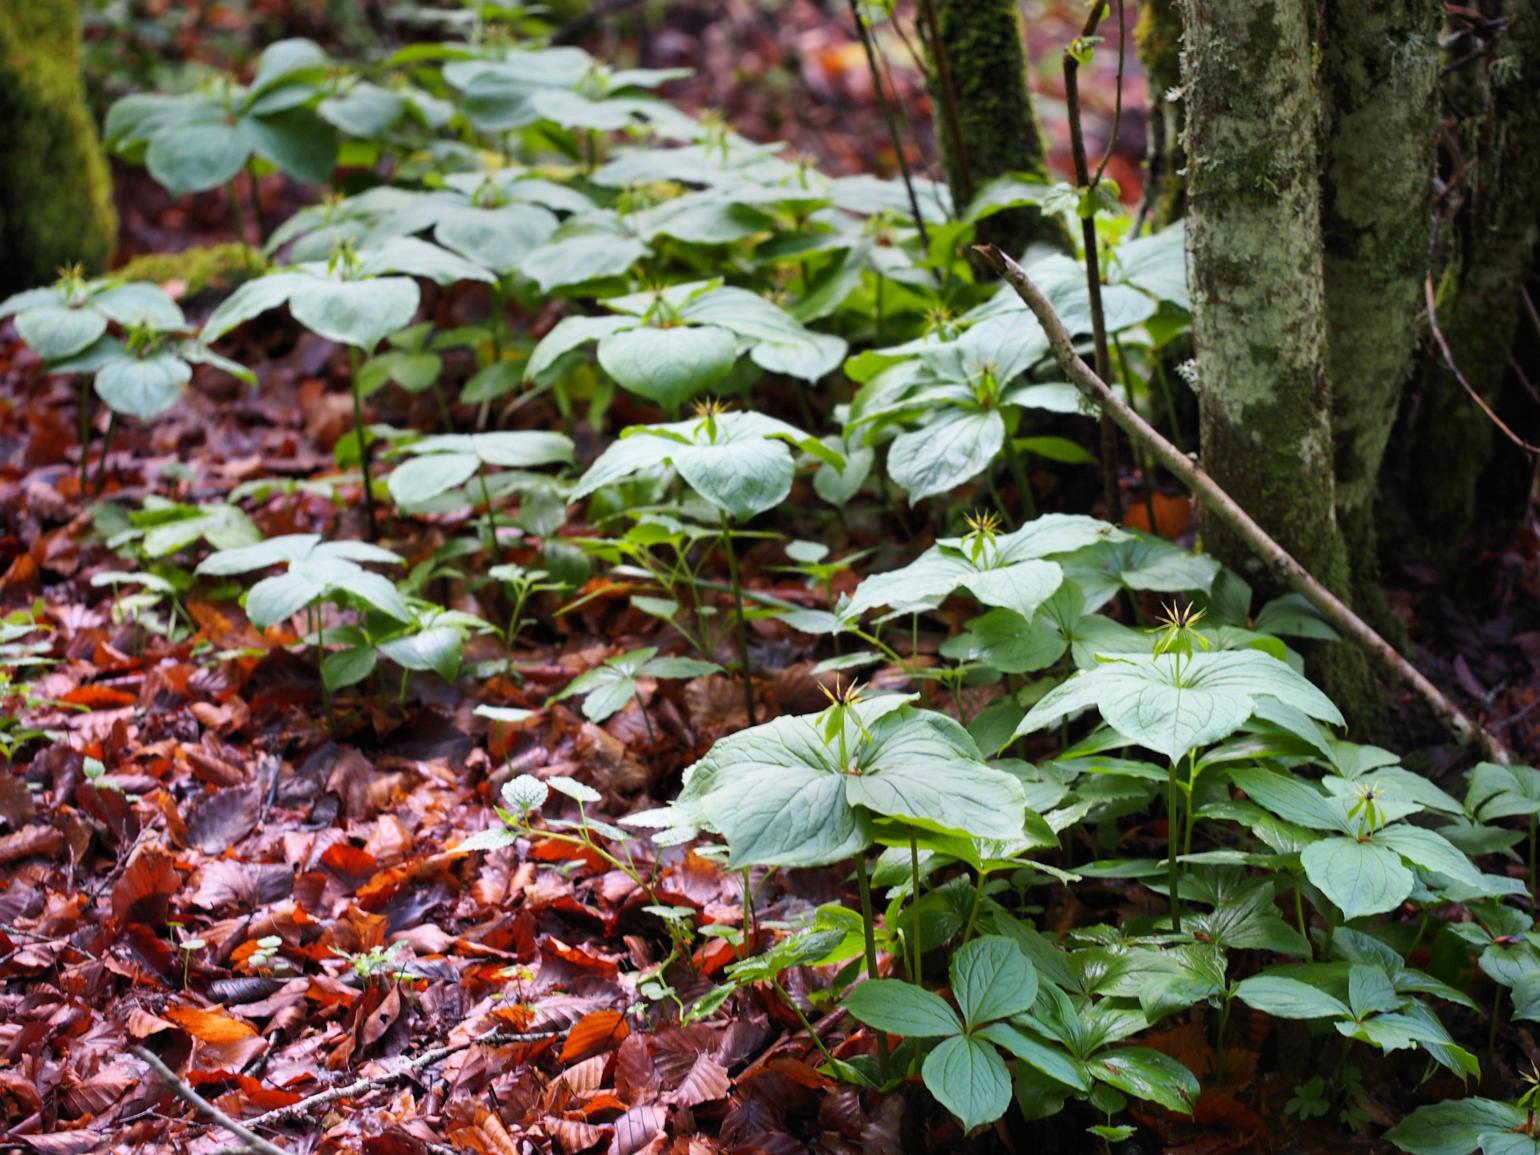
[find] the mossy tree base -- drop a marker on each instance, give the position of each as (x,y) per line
(55,187)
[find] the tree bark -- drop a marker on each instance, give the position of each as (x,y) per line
(1379,70)
(1444,440)
(1159,37)
(978,81)
(1259,308)
(55,188)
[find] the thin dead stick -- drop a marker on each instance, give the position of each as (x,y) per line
(362,1086)
(173,1083)
(887,113)
(1208,491)
(1443,348)
(1111,493)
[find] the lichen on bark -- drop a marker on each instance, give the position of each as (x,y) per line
(983,46)
(55,187)
(1259,309)
(1443,442)
(1379,70)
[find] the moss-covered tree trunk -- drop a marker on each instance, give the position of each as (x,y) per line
(983,111)
(1259,308)
(1444,441)
(55,188)
(1159,37)
(1379,70)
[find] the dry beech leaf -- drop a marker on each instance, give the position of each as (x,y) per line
(599,1031)
(210,1025)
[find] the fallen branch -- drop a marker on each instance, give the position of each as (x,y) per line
(362,1086)
(175,1084)
(1208,491)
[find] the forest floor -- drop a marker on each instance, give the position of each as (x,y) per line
(240,807)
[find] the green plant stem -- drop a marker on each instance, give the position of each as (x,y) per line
(914,912)
(1171,849)
(1219,1042)
(493,544)
(750,923)
(1497,1006)
(869,925)
(743,625)
(85,434)
(973,911)
(812,1033)
(1019,474)
(355,359)
(1299,916)
(255,193)
(1534,875)
(237,212)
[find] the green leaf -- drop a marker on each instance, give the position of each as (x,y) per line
(423,478)
(668,366)
(570,333)
(1052,1061)
(741,477)
(969,1079)
(358,313)
(1147,1074)
(1286,998)
(347,667)
(437,648)
(992,979)
(1291,799)
(1455,1127)
(1360,877)
(902,1009)
(1174,703)
(276,599)
(55,332)
(142,387)
(195,157)
(945,452)
(1498,791)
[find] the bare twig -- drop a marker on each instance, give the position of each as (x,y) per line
(174,1083)
(1093,276)
(1208,491)
(1117,106)
(1443,348)
(948,97)
(887,114)
(362,1086)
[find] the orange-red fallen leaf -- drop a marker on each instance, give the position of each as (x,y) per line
(546,850)
(45,841)
(603,1101)
(1173,515)
(99,697)
(252,1097)
(798,1072)
(144,892)
(706,1080)
(579,957)
(226,630)
(574,1136)
(210,1025)
(484,1134)
(593,1033)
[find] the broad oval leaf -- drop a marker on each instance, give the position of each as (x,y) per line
(142,387)
(902,1009)
(992,979)
(1360,877)
(968,1078)
(668,366)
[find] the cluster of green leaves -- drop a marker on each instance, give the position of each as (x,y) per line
(688,260)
